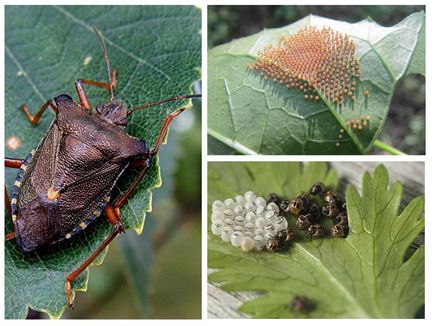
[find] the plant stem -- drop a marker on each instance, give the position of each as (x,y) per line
(387,148)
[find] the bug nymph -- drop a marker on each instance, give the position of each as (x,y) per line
(284,206)
(317,189)
(296,206)
(273,198)
(339,230)
(300,304)
(331,210)
(315,212)
(66,182)
(272,245)
(315,231)
(341,218)
(285,237)
(330,197)
(303,222)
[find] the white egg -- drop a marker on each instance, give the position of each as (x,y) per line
(249,234)
(270,228)
(236,238)
(238,210)
(259,210)
(250,196)
(226,234)
(249,207)
(250,217)
(238,228)
(239,220)
(240,200)
(249,227)
(247,244)
(260,223)
(262,214)
(229,203)
(228,222)
(216,229)
(259,242)
(229,213)
(270,216)
(269,235)
(260,201)
(281,223)
(273,207)
(260,232)
(218,205)
(217,217)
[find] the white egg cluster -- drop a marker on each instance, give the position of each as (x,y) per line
(246,221)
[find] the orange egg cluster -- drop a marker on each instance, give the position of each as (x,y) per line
(358,124)
(312,60)
(355,125)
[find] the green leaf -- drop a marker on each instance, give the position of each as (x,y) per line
(253,116)
(157,51)
(362,276)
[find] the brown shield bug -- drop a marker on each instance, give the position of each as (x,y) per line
(66,182)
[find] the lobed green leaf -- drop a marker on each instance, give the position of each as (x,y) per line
(367,272)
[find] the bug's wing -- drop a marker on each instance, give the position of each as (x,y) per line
(84,199)
(34,219)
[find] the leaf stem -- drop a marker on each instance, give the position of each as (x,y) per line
(387,148)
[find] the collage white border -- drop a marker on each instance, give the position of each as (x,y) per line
(428,158)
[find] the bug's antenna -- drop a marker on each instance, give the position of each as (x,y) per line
(106,59)
(175,98)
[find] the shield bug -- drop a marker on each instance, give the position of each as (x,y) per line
(66,182)
(300,304)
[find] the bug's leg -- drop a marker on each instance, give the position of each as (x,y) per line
(143,165)
(14,163)
(34,119)
(10,235)
(164,129)
(82,93)
(113,217)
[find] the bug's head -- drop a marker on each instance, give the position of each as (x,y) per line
(114,111)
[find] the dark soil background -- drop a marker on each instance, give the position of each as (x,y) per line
(405,126)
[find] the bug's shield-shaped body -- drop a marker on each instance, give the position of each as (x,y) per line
(66,182)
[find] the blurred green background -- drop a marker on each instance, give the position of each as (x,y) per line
(405,125)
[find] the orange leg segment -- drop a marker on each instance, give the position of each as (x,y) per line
(82,93)
(164,129)
(73,275)
(14,163)
(34,119)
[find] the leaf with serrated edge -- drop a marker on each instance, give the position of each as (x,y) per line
(157,51)
(253,116)
(365,272)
